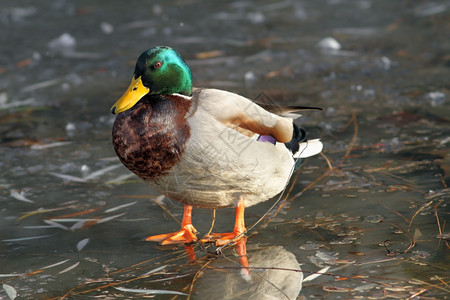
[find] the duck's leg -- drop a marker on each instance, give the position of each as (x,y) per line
(238,232)
(183,236)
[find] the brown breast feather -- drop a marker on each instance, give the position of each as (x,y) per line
(151,137)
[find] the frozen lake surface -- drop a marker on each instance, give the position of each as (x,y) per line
(370,215)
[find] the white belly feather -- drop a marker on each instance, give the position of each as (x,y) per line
(221,165)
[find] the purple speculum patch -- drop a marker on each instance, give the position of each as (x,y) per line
(267,138)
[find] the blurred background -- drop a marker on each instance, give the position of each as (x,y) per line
(371,214)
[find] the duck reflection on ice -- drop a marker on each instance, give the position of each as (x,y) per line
(269,272)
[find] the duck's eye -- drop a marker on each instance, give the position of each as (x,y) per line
(157,65)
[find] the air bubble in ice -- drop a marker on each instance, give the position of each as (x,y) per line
(107,28)
(329,43)
(374,219)
(63,43)
(436,98)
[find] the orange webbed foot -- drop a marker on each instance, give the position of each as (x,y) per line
(185,235)
(222,239)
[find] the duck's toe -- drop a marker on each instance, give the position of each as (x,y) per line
(185,235)
(223,238)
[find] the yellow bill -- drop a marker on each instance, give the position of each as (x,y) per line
(134,93)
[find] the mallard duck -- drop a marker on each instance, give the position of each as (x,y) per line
(203,147)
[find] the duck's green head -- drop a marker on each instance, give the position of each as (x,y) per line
(159,71)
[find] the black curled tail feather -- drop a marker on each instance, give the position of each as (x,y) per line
(298,135)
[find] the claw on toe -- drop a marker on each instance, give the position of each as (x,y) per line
(185,235)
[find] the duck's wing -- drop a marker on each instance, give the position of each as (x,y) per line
(243,114)
(290,111)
